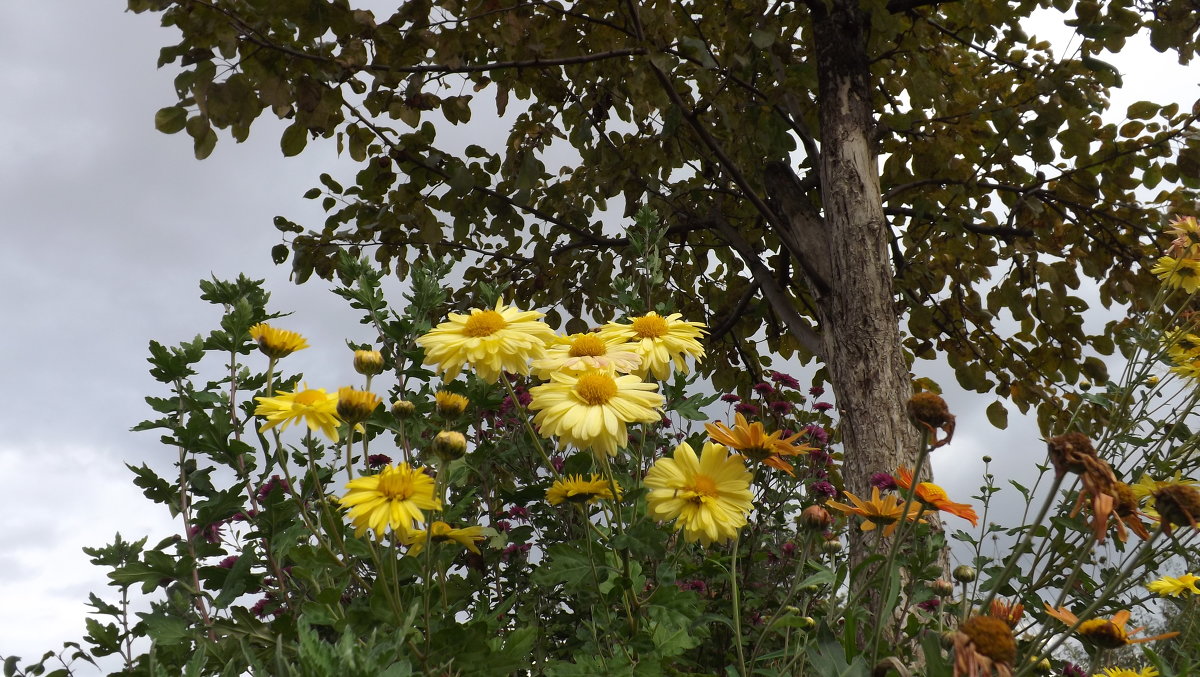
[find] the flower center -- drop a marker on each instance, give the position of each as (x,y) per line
(309,398)
(395,486)
(484,323)
(596,388)
(650,326)
(587,346)
(703,485)
(931,493)
(1103,633)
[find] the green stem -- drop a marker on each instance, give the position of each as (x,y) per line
(737,609)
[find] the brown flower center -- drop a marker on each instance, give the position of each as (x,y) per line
(587,346)
(650,326)
(992,638)
(596,388)
(1103,633)
(484,323)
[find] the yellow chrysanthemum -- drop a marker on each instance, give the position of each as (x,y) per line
(440,532)
(316,407)
(1170,586)
(575,489)
(392,498)
(590,410)
(1104,633)
(753,442)
(450,404)
(659,341)
(1186,231)
(1126,672)
(276,343)
(585,352)
(1145,487)
(1178,273)
(708,497)
(490,341)
(878,511)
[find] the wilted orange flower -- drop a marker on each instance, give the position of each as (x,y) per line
(1104,633)
(752,440)
(1073,452)
(930,410)
(878,511)
(1178,504)
(1009,612)
(982,645)
(935,497)
(1128,512)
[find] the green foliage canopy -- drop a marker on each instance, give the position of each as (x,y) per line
(1004,188)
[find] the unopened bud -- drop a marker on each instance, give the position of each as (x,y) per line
(403,409)
(815,518)
(356,406)
(449,445)
(368,362)
(832,546)
(450,405)
(964,573)
(942,587)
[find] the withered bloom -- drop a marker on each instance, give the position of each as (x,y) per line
(982,645)
(1073,452)
(1178,505)
(930,410)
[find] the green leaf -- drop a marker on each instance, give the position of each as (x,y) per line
(294,139)
(997,414)
(170,120)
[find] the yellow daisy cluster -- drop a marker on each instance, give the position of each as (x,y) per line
(594,385)
(1180,268)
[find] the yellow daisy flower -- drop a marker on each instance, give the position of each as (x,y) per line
(879,511)
(355,406)
(752,441)
(440,532)
(575,489)
(276,343)
(1178,273)
(584,352)
(316,407)
(1171,586)
(450,405)
(392,498)
(1186,231)
(1126,672)
(1104,633)
(708,497)
(659,341)
(490,341)
(590,410)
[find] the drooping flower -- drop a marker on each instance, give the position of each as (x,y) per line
(935,497)
(575,489)
(440,532)
(753,442)
(708,497)
(392,498)
(1126,672)
(984,645)
(276,343)
(1146,485)
(659,341)
(1178,505)
(1009,612)
(591,410)
(1125,507)
(1182,273)
(930,411)
(585,352)
(1104,633)
(879,511)
(1171,586)
(490,341)
(315,407)
(1073,452)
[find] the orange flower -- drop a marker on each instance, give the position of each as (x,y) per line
(1104,633)
(1128,512)
(878,511)
(982,646)
(1073,452)
(935,497)
(753,442)
(1009,612)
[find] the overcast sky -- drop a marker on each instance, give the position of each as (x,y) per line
(108,226)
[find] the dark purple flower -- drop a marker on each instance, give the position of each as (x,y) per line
(883,481)
(228,562)
(513,550)
(822,488)
(817,433)
(930,604)
(210,533)
(782,407)
(558,463)
(746,408)
(730,397)
(244,516)
(816,391)
(276,482)
(1072,670)
(789,549)
(819,458)
(378,460)
(694,584)
(764,389)
(501,525)
(822,406)
(784,381)
(260,607)
(818,473)
(518,513)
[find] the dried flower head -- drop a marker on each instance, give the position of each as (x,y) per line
(930,410)
(984,645)
(1178,505)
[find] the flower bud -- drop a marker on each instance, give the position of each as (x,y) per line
(832,546)
(403,409)
(815,518)
(368,362)
(964,573)
(449,445)
(450,405)
(942,587)
(356,406)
